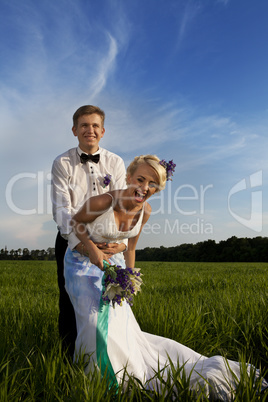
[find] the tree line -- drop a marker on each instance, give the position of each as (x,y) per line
(26,254)
(233,249)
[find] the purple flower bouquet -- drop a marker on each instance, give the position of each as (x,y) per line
(120,284)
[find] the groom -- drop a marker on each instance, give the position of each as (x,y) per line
(78,174)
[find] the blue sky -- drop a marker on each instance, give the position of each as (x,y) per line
(185,80)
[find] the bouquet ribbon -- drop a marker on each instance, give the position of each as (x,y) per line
(105,264)
(101,338)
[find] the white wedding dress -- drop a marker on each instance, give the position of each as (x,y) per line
(113,338)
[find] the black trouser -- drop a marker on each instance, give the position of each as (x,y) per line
(67,323)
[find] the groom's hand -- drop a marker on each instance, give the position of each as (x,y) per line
(111,248)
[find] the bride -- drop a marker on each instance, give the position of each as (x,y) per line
(111,336)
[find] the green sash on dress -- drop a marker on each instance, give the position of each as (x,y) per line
(101,339)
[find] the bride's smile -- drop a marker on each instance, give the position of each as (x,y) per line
(142,184)
(139,196)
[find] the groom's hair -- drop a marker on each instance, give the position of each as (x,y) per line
(88,109)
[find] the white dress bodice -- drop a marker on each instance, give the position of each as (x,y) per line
(104,228)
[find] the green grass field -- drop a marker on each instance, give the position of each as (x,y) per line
(214,308)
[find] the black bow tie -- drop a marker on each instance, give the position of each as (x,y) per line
(85,158)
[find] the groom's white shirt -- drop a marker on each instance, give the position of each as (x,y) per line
(73,183)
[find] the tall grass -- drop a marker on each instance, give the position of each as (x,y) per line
(212,308)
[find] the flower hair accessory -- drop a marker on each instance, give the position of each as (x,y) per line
(169,166)
(106,180)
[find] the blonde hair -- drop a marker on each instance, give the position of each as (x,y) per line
(153,161)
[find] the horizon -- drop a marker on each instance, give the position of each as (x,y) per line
(140,249)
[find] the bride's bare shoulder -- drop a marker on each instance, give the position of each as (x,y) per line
(115,195)
(100,202)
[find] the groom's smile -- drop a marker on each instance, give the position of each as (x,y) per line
(89,131)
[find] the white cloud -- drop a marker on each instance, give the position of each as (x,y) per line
(106,65)
(224,2)
(189,14)
(31,232)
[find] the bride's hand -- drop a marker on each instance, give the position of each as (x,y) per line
(96,256)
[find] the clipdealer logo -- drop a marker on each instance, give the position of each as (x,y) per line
(195,198)
(41,182)
(255,220)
